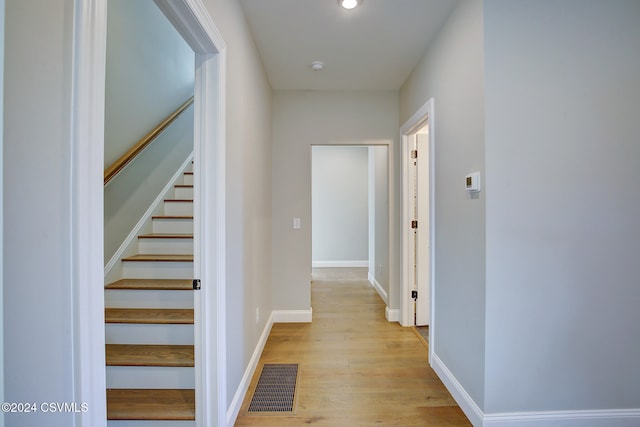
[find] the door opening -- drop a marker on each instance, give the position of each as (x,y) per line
(196,26)
(417,303)
(350,213)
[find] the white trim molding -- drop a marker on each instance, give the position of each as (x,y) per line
(582,418)
(378,287)
(392,314)
(292,316)
(585,418)
(243,387)
(424,115)
(460,395)
(340,264)
(86,221)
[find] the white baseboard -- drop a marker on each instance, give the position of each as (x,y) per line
(336,263)
(585,418)
(243,387)
(464,400)
(392,314)
(292,316)
(593,418)
(378,287)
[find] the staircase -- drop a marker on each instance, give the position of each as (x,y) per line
(149,324)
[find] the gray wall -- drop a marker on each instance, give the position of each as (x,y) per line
(38,360)
(452,73)
(248,190)
(340,203)
(379,215)
(36,160)
(563,239)
(300,120)
(536,290)
(149,73)
(128,196)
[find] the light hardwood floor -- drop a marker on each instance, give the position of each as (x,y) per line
(356,369)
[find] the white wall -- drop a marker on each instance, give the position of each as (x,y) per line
(339,205)
(149,73)
(563,239)
(452,73)
(300,120)
(38,359)
(248,165)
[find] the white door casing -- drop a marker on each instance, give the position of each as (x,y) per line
(426,221)
(194,23)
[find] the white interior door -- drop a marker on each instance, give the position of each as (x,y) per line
(419,273)
(422,238)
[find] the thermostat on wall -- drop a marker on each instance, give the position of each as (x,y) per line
(472,182)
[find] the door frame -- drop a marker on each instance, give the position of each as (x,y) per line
(193,22)
(424,115)
(389,144)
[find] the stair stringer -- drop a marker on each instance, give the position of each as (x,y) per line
(113,268)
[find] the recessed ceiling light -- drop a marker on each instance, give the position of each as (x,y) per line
(317,65)
(349,4)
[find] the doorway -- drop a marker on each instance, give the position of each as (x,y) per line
(350,211)
(417,136)
(192,21)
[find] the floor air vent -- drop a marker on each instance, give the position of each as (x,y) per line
(276,389)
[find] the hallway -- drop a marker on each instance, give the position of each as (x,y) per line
(355,368)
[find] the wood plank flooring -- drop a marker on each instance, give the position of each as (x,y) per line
(356,369)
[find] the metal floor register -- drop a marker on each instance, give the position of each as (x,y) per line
(276,389)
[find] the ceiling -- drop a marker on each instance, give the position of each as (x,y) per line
(372,47)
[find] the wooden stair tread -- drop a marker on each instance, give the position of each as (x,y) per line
(160,257)
(166,236)
(149,355)
(161,316)
(152,284)
(172,217)
(184,185)
(179,200)
(151,404)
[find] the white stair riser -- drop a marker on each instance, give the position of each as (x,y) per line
(188,179)
(132,333)
(157,270)
(178,208)
(173,225)
(150,377)
(136,423)
(133,298)
(165,246)
(183,192)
